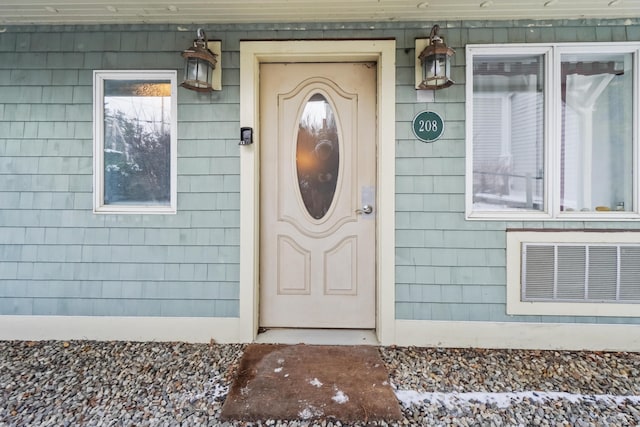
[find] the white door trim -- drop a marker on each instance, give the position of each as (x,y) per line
(251,55)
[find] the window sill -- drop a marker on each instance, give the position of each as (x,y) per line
(542,216)
(571,309)
(132,210)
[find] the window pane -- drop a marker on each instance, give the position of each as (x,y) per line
(508,133)
(137,142)
(597,134)
(317,156)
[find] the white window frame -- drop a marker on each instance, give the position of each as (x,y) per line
(99,77)
(552,133)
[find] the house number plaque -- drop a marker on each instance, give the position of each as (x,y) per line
(428,126)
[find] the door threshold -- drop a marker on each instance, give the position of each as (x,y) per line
(318,336)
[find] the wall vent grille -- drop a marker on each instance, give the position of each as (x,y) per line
(576,272)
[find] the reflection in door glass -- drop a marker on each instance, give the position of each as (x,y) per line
(317,156)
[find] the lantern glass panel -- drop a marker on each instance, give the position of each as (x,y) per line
(190,69)
(429,68)
(436,69)
(203,72)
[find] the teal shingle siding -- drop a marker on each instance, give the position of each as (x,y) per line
(448,268)
(59,258)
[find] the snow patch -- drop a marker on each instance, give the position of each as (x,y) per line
(310,412)
(504,400)
(315,382)
(214,390)
(340,397)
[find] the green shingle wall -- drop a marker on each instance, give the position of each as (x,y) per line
(448,268)
(58,258)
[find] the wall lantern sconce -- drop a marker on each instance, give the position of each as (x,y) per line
(433,65)
(202,69)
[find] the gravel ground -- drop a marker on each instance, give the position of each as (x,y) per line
(55,383)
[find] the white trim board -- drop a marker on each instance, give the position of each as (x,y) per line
(108,328)
(518,335)
(252,54)
(420,333)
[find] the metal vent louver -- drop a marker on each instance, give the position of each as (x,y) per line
(630,273)
(581,272)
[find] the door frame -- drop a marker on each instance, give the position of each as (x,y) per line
(252,54)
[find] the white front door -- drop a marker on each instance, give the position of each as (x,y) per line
(317,195)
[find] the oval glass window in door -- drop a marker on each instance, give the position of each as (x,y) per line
(317,156)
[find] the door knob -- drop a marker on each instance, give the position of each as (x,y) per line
(366,209)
